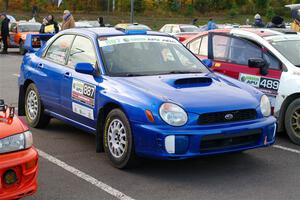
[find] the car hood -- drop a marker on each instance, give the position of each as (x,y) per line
(196,93)
(11,126)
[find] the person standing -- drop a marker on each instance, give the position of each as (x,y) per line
(68,20)
(4,32)
(277,22)
(101,21)
(211,25)
(258,21)
(51,21)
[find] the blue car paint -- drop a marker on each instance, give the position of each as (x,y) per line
(134,97)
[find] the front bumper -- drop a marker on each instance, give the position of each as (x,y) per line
(25,165)
(166,142)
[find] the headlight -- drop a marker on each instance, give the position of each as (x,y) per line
(173,114)
(265,106)
(16,142)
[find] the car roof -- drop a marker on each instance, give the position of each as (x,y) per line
(28,23)
(262,32)
(104,31)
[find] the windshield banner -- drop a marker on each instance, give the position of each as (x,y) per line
(115,40)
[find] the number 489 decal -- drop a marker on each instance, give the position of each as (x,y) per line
(271,84)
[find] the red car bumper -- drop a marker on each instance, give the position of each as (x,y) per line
(25,165)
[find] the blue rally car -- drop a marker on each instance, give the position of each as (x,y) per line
(143,94)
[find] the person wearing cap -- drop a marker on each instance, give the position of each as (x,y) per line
(258,21)
(4,32)
(68,20)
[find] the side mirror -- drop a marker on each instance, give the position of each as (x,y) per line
(207,62)
(85,68)
(259,63)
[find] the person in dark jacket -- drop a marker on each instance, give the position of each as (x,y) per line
(258,21)
(51,21)
(101,21)
(277,22)
(44,24)
(4,32)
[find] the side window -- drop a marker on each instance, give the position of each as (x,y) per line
(204,46)
(273,62)
(58,50)
(194,46)
(176,29)
(241,51)
(168,29)
(220,46)
(12,27)
(82,51)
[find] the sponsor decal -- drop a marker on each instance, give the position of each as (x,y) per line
(269,86)
(262,83)
(109,41)
(83,110)
(83,92)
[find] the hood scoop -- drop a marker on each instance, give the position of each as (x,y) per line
(192,82)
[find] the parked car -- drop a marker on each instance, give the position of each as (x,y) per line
(18,158)
(126,26)
(83,24)
(266,59)
(143,94)
(181,31)
(18,32)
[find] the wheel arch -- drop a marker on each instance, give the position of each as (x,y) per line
(22,92)
(102,114)
(283,108)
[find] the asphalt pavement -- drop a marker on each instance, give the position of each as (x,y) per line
(69,167)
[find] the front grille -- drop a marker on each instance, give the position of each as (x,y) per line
(223,141)
(226,117)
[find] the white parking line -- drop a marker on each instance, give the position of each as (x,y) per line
(110,190)
(17,75)
(286,149)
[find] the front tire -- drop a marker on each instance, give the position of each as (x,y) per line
(118,140)
(34,108)
(292,121)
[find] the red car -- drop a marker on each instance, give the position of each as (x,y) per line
(232,49)
(18,158)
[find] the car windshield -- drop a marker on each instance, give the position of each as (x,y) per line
(189,29)
(29,27)
(139,55)
(290,49)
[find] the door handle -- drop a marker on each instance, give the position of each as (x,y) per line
(67,75)
(40,66)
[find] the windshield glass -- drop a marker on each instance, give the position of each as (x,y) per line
(189,29)
(29,27)
(290,49)
(138,55)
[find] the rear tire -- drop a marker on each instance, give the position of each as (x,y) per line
(22,49)
(34,109)
(292,121)
(118,140)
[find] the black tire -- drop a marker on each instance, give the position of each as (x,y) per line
(292,124)
(21,47)
(40,120)
(128,159)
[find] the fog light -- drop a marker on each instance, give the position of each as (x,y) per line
(10,177)
(176,144)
